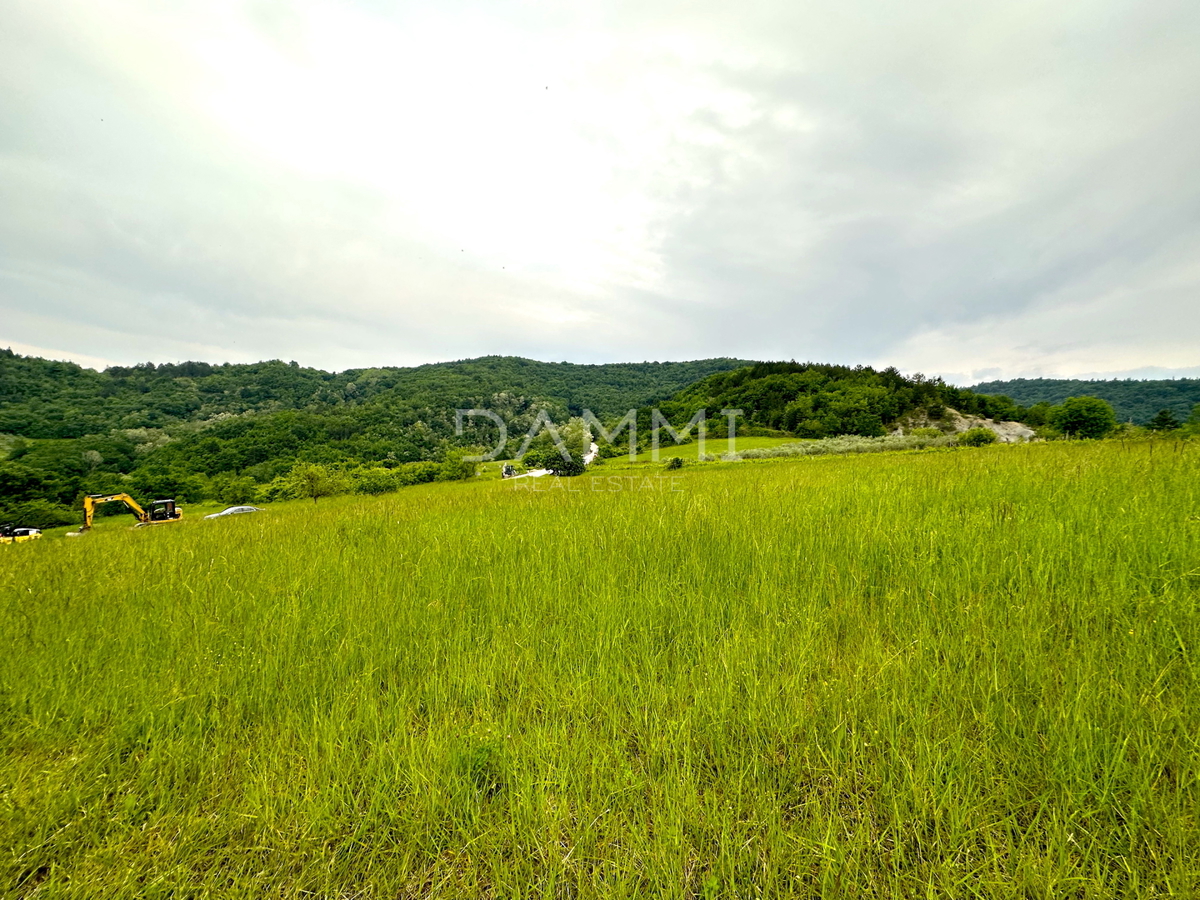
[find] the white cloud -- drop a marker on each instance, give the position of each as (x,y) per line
(928,185)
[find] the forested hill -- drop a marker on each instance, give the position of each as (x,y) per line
(816,400)
(41,398)
(1136,401)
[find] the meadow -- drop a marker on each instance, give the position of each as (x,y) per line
(955,673)
(714,445)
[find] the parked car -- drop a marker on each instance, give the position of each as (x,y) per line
(233,511)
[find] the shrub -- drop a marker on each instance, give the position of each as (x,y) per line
(374,481)
(571,466)
(551,458)
(977,437)
(674,462)
(417,473)
(457,467)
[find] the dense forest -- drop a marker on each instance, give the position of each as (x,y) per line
(1133,401)
(41,398)
(812,400)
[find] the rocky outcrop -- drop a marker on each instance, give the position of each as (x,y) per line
(954,422)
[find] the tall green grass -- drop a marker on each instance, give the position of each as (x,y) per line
(955,674)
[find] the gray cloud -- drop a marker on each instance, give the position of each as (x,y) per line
(973,192)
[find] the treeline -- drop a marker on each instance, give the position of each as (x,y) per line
(1132,401)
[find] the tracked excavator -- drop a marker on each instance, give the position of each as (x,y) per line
(160,512)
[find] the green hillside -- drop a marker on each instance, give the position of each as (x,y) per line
(1135,401)
(41,398)
(813,400)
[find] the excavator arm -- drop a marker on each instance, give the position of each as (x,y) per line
(91,501)
(160,512)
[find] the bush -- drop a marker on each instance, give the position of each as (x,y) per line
(571,466)
(375,481)
(674,462)
(417,473)
(977,437)
(551,458)
(310,480)
(457,467)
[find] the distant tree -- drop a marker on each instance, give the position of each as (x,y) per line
(1038,414)
(1164,421)
(238,490)
(1084,417)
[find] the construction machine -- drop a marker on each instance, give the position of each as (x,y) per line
(160,512)
(12,534)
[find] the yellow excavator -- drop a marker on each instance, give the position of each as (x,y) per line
(11,534)
(160,512)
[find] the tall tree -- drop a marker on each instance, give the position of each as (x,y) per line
(1084,417)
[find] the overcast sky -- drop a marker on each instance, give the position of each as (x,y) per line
(970,190)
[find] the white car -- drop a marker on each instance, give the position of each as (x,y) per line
(233,511)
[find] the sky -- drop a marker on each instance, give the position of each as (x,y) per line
(975,191)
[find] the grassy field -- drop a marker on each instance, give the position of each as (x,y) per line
(714,446)
(945,674)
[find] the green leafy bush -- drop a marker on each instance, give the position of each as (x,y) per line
(977,437)
(457,467)
(374,480)
(417,473)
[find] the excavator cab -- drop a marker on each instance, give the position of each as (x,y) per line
(163,511)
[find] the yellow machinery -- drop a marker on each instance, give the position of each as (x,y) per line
(160,512)
(10,534)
